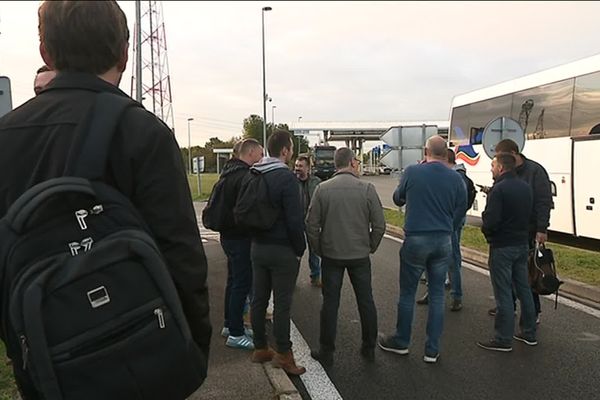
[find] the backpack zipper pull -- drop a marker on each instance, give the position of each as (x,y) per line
(161,318)
(24,351)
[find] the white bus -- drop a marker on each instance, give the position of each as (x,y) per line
(559,111)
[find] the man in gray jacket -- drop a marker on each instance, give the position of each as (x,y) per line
(345,223)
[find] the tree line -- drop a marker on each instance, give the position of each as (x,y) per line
(252,128)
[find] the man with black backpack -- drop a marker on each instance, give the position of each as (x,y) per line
(271,191)
(103,272)
(235,241)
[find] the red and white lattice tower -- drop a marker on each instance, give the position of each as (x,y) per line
(150,75)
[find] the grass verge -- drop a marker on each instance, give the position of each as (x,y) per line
(207,181)
(577,264)
(8,389)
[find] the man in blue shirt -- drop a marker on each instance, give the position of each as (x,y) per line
(436,201)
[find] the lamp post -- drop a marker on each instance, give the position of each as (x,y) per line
(189,146)
(273,116)
(299,118)
(264,79)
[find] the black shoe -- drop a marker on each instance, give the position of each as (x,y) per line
(456,305)
(388,343)
(424,300)
(368,353)
(324,357)
(521,338)
(495,346)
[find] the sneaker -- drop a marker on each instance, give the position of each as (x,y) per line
(456,305)
(247,331)
(537,319)
(431,359)
(424,300)
(388,343)
(447,285)
(240,342)
(521,338)
(492,312)
(495,346)
(324,357)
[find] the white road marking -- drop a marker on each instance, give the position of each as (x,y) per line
(567,302)
(315,379)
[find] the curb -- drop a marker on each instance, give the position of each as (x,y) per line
(581,292)
(282,385)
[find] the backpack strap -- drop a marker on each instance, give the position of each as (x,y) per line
(89,152)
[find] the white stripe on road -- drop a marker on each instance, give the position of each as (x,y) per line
(315,379)
(567,302)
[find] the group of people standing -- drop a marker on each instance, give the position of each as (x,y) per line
(342,222)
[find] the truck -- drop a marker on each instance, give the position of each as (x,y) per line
(323,165)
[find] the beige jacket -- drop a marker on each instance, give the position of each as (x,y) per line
(345,218)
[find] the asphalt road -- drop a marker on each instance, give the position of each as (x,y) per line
(563,366)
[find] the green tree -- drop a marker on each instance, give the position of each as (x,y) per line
(253,128)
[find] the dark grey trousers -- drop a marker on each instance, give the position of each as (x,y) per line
(274,267)
(332,276)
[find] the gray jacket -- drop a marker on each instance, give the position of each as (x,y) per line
(345,218)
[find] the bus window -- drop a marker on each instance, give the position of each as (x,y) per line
(544,111)
(586,103)
(459,126)
(483,112)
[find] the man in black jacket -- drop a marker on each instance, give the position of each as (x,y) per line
(235,241)
(505,226)
(537,178)
(86,43)
(276,254)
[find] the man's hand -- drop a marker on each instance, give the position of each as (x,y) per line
(541,237)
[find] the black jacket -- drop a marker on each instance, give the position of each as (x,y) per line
(233,172)
(537,177)
(507,212)
(284,191)
(144,163)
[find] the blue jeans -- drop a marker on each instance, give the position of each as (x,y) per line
(432,253)
(239,282)
(455,266)
(314,262)
(508,269)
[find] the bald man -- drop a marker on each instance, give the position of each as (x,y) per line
(436,201)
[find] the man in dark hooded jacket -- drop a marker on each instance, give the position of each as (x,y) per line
(235,241)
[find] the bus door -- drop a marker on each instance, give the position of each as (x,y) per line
(586,165)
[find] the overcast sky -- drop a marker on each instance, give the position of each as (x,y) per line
(332,61)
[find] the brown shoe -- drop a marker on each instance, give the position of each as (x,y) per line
(262,355)
(286,362)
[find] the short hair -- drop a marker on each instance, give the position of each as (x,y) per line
(507,161)
(236,148)
(304,157)
(507,146)
(43,68)
(83,36)
(437,147)
(343,157)
(451,157)
(279,140)
(247,145)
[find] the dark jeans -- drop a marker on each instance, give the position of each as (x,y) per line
(536,297)
(508,269)
(431,253)
(275,267)
(239,283)
(314,262)
(455,266)
(332,276)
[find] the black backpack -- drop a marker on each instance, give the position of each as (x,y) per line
(471,191)
(89,309)
(214,215)
(253,208)
(543,278)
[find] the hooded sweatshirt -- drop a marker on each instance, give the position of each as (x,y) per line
(284,194)
(233,172)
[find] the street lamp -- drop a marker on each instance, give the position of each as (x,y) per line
(299,118)
(189,146)
(264,79)
(273,116)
